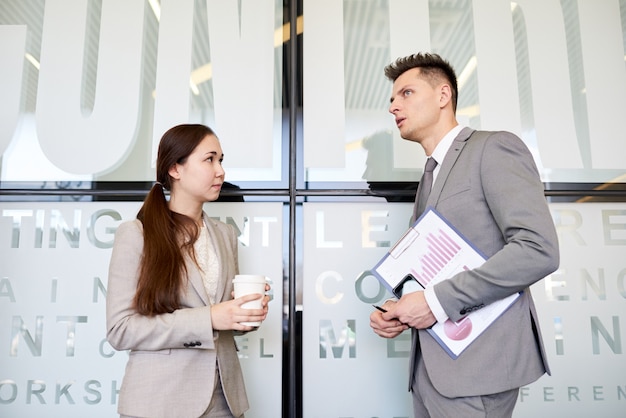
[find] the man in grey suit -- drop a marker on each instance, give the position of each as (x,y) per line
(487,185)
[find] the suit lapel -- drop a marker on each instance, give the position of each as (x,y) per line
(195,278)
(448,162)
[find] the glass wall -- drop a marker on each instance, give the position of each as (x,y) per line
(321,182)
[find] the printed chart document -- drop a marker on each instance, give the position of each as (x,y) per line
(430,251)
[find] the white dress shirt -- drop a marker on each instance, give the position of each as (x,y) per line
(439,154)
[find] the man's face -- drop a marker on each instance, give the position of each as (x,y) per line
(415,104)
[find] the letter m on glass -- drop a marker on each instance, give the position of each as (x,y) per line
(347,337)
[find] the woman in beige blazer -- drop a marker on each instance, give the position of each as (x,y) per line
(169,296)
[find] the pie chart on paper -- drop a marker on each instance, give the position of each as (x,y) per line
(458,331)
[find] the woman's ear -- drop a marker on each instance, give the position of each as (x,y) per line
(173,172)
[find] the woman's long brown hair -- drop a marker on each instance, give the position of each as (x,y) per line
(168,236)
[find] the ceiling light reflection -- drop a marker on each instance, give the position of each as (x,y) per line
(281,35)
(469,69)
(156,9)
(32,60)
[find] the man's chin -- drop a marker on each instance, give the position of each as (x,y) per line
(405,135)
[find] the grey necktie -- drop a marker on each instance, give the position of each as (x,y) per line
(426,185)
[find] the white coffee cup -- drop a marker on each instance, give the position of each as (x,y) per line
(246,284)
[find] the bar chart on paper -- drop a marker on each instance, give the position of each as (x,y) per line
(441,250)
(430,251)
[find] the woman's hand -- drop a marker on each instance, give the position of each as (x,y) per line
(229,315)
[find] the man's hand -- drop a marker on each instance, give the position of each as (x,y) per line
(386,328)
(411,310)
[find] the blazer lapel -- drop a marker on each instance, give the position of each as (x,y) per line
(447,164)
(195,278)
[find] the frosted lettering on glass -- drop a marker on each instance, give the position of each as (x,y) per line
(241,36)
(497,75)
(12,46)
(409,32)
(346,338)
(601,35)
(171,105)
(323,86)
(71,140)
(550,84)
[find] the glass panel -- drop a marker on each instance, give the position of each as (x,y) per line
(533,68)
(92,87)
(342,241)
(54,261)
(580,307)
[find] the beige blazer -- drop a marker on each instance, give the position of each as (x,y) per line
(172,360)
(489,188)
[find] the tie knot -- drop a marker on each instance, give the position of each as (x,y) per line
(430,164)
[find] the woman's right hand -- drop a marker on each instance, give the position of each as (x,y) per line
(229,315)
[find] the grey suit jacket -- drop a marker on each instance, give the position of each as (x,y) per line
(488,187)
(173,357)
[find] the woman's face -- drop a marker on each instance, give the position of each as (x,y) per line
(200,178)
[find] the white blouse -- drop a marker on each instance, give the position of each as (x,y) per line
(208,263)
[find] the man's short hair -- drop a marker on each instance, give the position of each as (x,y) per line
(432,68)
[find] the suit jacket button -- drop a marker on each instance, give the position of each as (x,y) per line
(187,345)
(463,311)
(198,344)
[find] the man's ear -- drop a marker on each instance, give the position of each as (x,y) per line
(445,95)
(173,172)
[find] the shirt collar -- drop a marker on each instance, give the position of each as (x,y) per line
(444,145)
